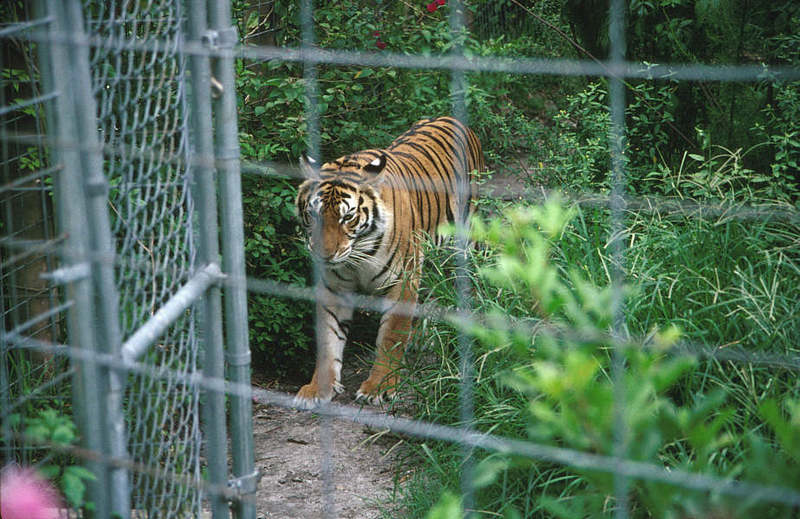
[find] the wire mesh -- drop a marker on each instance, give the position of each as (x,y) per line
(31,305)
(619,204)
(141,98)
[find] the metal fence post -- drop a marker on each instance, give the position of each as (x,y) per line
(204,184)
(237,354)
(616,96)
(107,322)
(58,74)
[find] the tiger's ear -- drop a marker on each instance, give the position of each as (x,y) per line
(309,167)
(377,165)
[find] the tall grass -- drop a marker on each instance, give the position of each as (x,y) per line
(725,282)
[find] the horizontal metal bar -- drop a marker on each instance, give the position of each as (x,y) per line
(69,274)
(538,451)
(534,327)
(150,331)
(29,102)
(641,203)
(537,66)
(32,176)
(41,317)
(565,456)
(24,26)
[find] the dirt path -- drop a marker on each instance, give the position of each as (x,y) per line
(288,453)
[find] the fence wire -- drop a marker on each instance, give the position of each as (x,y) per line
(138,56)
(141,103)
(29,303)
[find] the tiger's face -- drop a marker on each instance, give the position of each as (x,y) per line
(341,214)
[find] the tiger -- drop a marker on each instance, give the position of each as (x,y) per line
(364,218)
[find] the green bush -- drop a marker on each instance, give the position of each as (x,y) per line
(50,427)
(548,375)
(359,107)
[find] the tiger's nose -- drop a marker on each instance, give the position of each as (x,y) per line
(338,255)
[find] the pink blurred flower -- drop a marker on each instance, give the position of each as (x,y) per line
(381,45)
(25,495)
(376,33)
(441,2)
(432,7)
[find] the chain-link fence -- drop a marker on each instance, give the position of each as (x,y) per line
(122,217)
(106,179)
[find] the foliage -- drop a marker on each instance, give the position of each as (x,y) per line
(708,32)
(279,328)
(358,107)
(551,373)
(50,427)
(448,507)
(580,159)
(726,282)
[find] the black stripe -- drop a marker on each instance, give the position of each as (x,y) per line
(337,334)
(339,323)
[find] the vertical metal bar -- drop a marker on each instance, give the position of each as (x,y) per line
(313,147)
(235,292)
(7,443)
(107,322)
(6,446)
(204,186)
(458,91)
(8,217)
(616,89)
(58,74)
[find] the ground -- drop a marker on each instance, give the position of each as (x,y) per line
(288,453)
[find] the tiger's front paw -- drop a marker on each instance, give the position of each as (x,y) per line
(310,396)
(374,390)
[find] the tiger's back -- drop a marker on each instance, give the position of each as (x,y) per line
(365,215)
(440,156)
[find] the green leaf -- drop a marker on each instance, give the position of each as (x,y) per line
(14,420)
(73,488)
(487,471)
(63,434)
(81,472)
(448,507)
(50,471)
(669,372)
(37,433)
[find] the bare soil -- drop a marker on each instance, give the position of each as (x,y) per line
(288,453)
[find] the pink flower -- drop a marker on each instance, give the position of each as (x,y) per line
(381,45)
(441,2)
(432,7)
(376,33)
(25,495)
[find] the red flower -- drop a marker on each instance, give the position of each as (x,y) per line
(381,45)
(432,7)
(376,33)
(441,2)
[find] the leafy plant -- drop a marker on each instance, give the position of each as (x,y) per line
(560,357)
(358,107)
(50,427)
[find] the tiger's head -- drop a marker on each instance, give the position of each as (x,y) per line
(340,207)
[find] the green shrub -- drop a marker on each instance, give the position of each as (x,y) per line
(359,107)
(548,375)
(50,427)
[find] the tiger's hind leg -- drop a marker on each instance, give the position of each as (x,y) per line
(393,336)
(332,327)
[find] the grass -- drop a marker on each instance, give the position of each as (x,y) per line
(726,283)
